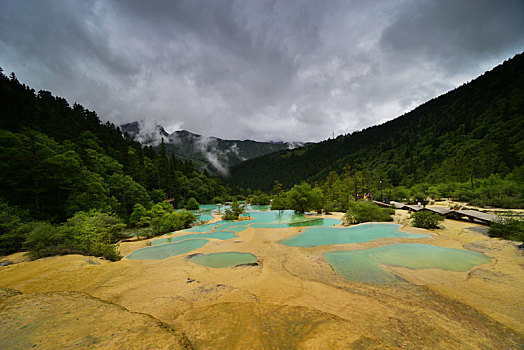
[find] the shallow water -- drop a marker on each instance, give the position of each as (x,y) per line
(207,207)
(220,260)
(204,217)
(257,207)
(367,265)
(266,219)
(223,235)
(167,250)
(276,217)
(226,230)
(320,235)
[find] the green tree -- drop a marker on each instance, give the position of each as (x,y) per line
(90,193)
(278,203)
(13,229)
(158,195)
(192,204)
(302,198)
(364,211)
(140,216)
(160,209)
(234,212)
(174,221)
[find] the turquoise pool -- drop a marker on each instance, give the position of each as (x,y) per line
(367,265)
(223,235)
(204,217)
(221,260)
(320,235)
(167,250)
(266,219)
(258,207)
(168,246)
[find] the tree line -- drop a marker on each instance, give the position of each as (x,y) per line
(59,160)
(468,140)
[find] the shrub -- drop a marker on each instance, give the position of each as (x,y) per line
(507,228)
(174,221)
(13,231)
(364,211)
(192,204)
(229,215)
(88,233)
(426,219)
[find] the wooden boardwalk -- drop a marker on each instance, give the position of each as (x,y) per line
(474,215)
(471,215)
(414,207)
(438,210)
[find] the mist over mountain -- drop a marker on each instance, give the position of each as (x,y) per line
(210,153)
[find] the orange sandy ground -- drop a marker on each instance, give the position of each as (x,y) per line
(293,299)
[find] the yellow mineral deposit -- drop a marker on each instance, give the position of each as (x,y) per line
(291,298)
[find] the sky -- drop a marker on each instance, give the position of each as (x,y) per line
(291,70)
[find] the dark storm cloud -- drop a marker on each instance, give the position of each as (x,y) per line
(267,70)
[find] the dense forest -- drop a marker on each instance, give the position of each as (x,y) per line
(60,160)
(457,143)
(70,183)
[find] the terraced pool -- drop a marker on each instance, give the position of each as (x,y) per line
(321,235)
(223,235)
(369,265)
(165,251)
(221,260)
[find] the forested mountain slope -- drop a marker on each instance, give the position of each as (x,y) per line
(470,132)
(58,159)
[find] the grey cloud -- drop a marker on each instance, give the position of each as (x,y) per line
(265,70)
(456,33)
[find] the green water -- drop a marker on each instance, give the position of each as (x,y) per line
(366,265)
(167,250)
(266,219)
(237,228)
(316,222)
(203,228)
(219,260)
(204,213)
(257,207)
(306,223)
(223,235)
(276,217)
(207,207)
(320,235)
(204,217)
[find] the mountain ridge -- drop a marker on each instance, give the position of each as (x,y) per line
(469,132)
(207,152)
